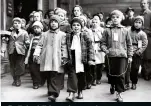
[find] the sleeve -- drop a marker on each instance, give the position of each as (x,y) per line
(39,46)
(144,43)
(27,39)
(129,45)
(90,48)
(64,47)
(103,41)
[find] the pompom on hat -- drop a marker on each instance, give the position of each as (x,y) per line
(139,18)
(38,23)
(117,12)
(17,19)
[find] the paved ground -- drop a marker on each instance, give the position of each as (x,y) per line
(99,93)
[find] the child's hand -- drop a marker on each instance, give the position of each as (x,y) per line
(35,58)
(129,60)
(64,61)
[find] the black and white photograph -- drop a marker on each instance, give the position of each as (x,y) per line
(75,51)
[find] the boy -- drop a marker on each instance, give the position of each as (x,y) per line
(140,42)
(18,42)
(33,66)
(117,44)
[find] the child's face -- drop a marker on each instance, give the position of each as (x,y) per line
(109,23)
(95,22)
(116,19)
(37,17)
(130,13)
(54,25)
(32,19)
(51,13)
(23,24)
(17,24)
(138,24)
(77,11)
(76,27)
(62,16)
(37,29)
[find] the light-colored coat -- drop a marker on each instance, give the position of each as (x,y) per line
(50,49)
(96,37)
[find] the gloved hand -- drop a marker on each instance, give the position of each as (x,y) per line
(35,58)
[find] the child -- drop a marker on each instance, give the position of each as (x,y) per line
(116,43)
(80,53)
(49,52)
(18,42)
(140,42)
(33,66)
(23,25)
(64,24)
(99,56)
(77,11)
(88,75)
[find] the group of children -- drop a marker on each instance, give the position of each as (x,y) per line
(59,47)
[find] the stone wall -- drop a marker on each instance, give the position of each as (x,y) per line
(94,6)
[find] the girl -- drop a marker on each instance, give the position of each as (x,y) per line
(99,56)
(117,44)
(77,11)
(49,50)
(80,51)
(140,42)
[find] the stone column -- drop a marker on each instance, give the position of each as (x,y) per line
(52,4)
(40,4)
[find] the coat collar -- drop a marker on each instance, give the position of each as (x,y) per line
(56,31)
(145,12)
(14,32)
(118,26)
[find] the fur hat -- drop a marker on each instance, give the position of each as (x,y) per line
(17,19)
(58,10)
(76,19)
(38,23)
(117,12)
(55,17)
(139,17)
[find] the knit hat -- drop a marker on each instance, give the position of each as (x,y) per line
(139,17)
(17,19)
(58,10)
(55,17)
(128,9)
(38,23)
(117,12)
(76,19)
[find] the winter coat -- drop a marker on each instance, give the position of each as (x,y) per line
(20,42)
(50,49)
(117,41)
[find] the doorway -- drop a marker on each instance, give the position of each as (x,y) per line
(24,7)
